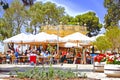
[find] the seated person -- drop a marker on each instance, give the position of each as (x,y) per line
(54,57)
(77,58)
(13,58)
(70,57)
(88,58)
(8,57)
(33,57)
(46,57)
(63,57)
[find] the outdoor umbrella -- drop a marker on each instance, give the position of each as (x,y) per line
(77,38)
(16,39)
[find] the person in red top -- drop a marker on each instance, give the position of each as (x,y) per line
(63,58)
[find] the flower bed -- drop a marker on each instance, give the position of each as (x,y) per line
(112,68)
(48,74)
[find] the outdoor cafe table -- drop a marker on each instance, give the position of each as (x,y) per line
(22,59)
(43,59)
(40,59)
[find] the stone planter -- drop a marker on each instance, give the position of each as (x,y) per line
(112,70)
(98,67)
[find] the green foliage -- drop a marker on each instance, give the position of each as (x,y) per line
(14,18)
(51,48)
(82,75)
(113,36)
(50,74)
(10,73)
(33,17)
(103,60)
(113,9)
(4,29)
(116,62)
(113,60)
(111,40)
(102,43)
(90,20)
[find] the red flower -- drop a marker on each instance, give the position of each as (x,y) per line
(95,58)
(99,57)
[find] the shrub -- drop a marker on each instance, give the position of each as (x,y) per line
(48,74)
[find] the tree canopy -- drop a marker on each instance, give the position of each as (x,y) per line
(111,40)
(113,36)
(102,43)
(19,16)
(90,20)
(113,12)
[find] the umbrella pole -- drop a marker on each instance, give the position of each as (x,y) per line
(77,43)
(57,39)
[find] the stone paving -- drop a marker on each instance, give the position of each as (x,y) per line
(85,68)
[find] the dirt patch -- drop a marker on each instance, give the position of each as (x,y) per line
(14,78)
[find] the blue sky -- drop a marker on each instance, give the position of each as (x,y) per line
(75,7)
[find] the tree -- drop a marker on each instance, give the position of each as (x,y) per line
(113,9)
(42,13)
(68,20)
(53,13)
(36,15)
(78,18)
(15,15)
(4,32)
(113,36)
(102,43)
(111,40)
(89,20)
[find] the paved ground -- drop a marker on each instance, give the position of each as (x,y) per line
(88,69)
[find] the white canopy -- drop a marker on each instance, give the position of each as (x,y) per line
(41,37)
(77,37)
(16,39)
(69,44)
(44,37)
(54,38)
(30,38)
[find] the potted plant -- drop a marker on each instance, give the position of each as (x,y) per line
(99,62)
(112,67)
